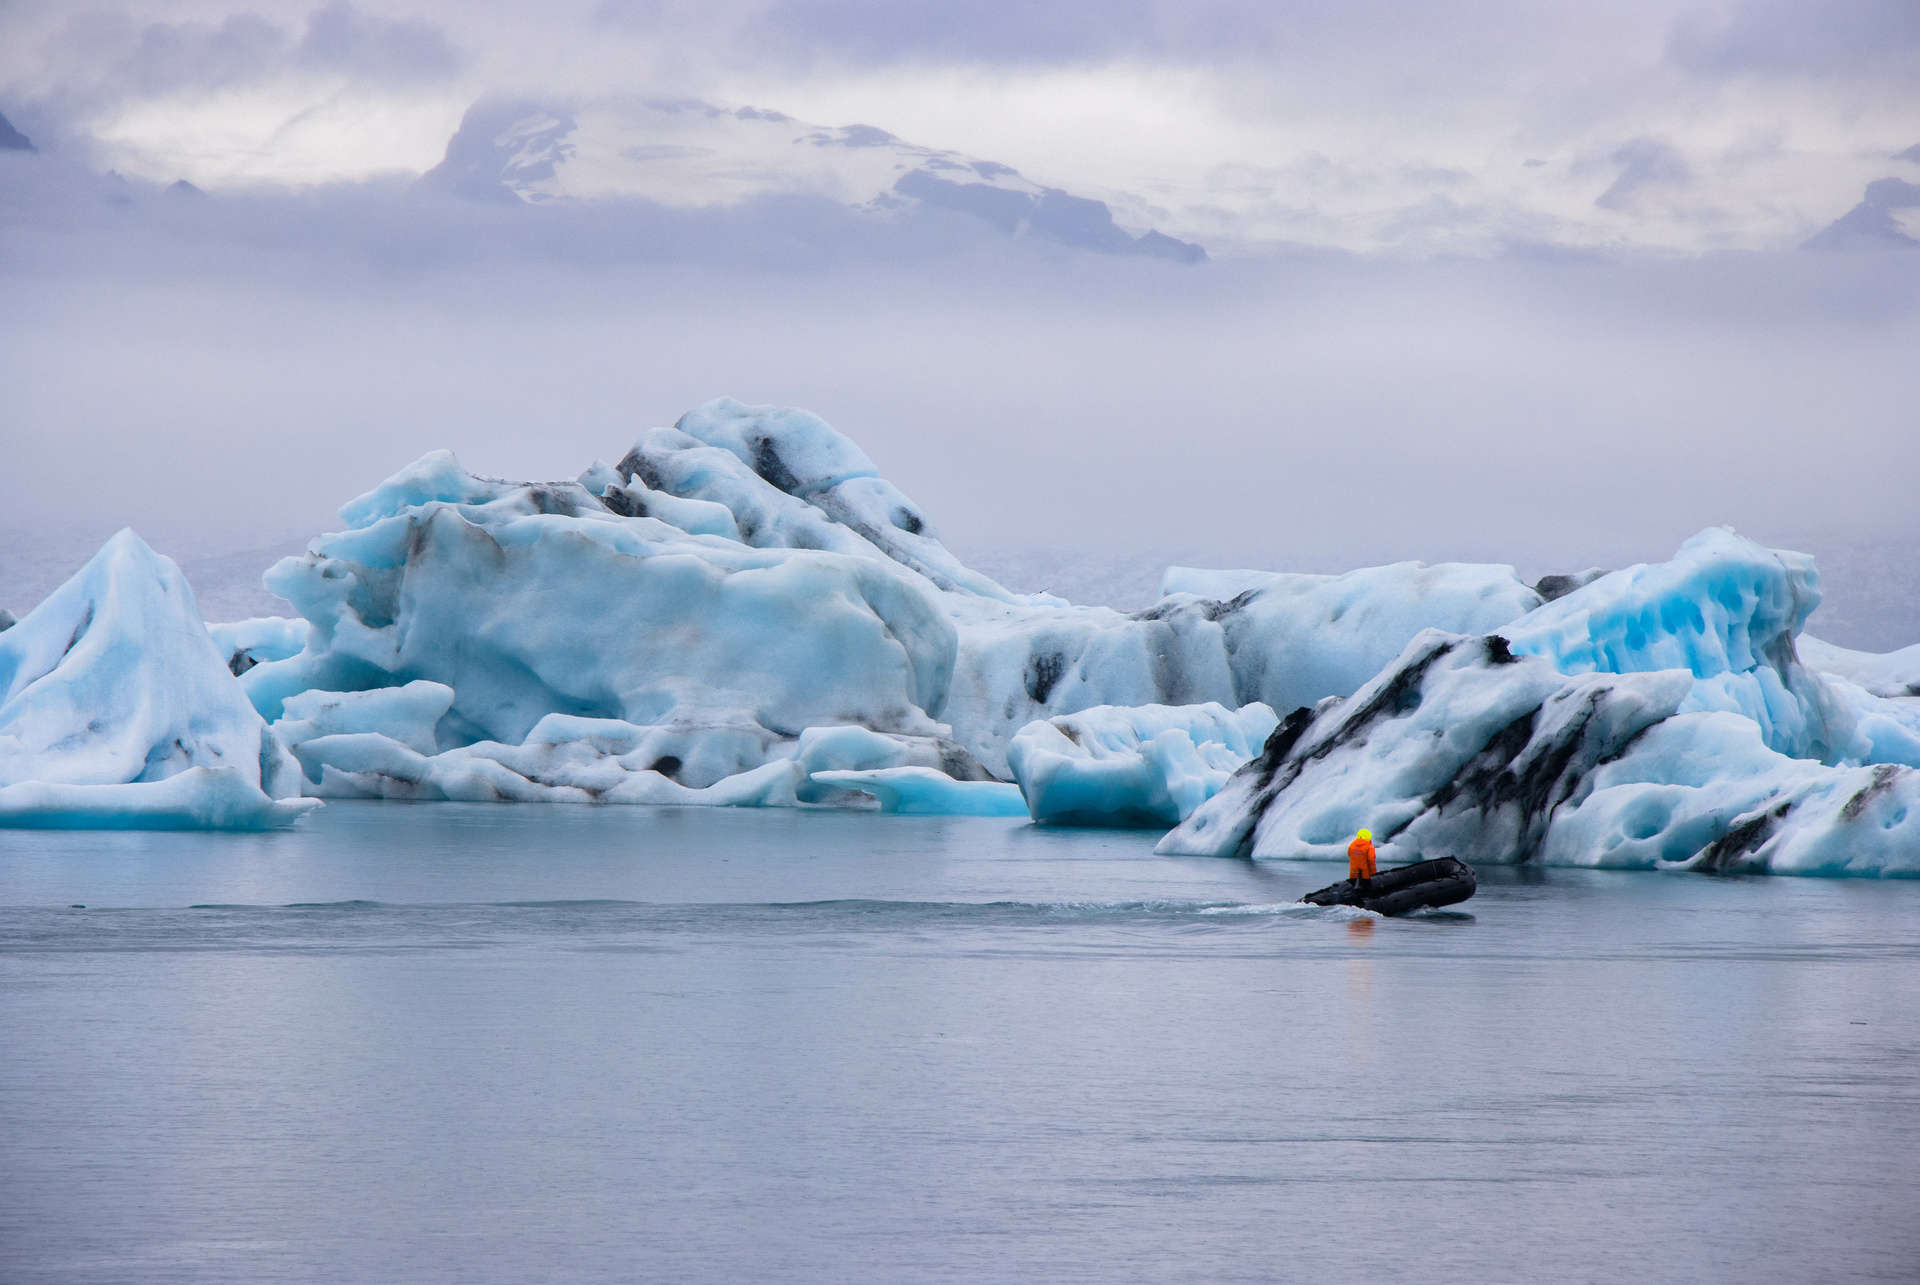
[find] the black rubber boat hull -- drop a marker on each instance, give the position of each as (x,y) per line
(1402,890)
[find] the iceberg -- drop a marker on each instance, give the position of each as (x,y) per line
(734,584)
(1660,716)
(743,612)
(1145,766)
(117,708)
(1465,747)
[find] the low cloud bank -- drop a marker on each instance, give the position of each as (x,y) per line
(223,371)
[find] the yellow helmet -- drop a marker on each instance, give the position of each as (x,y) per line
(1366,835)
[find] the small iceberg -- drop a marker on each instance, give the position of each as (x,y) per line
(117,709)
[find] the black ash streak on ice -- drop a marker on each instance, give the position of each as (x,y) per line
(1505,789)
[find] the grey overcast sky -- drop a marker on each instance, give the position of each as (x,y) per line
(1488,277)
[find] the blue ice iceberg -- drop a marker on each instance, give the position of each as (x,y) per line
(743,612)
(118,709)
(1661,716)
(732,586)
(1148,766)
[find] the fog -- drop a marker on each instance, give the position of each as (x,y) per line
(222,373)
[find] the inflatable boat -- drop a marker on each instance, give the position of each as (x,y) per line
(1403,889)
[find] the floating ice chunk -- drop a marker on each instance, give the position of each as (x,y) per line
(198,798)
(408,715)
(927,792)
(114,681)
(1148,765)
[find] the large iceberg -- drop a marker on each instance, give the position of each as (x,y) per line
(689,615)
(117,708)
(1659,716)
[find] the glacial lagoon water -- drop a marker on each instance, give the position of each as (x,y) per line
(469,1043)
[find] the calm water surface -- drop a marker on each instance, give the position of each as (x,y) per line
(463,1043)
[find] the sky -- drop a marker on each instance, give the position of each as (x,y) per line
(1494,280)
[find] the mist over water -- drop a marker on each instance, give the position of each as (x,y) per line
(222,378)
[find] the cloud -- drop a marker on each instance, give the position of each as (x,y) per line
(1829,39)
(1037,32)
(1133,102)
(341,40)
(1646,164)
(107,57)
(249,361)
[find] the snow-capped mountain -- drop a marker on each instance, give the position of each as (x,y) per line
(12,140)
(691,154)
(1889,215)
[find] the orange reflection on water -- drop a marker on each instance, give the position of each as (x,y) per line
(1360,998)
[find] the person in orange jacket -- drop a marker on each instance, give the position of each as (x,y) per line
(1360,863)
